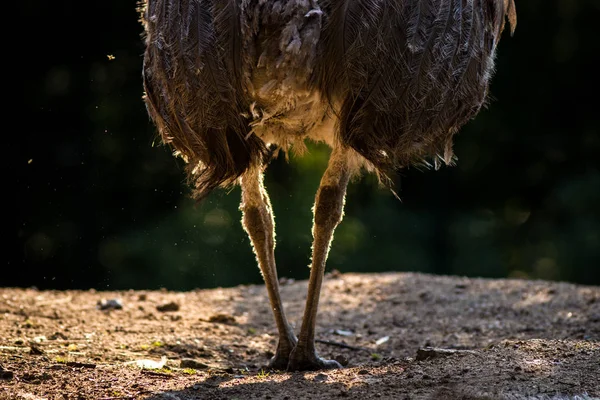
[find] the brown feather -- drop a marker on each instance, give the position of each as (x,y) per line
(392,79)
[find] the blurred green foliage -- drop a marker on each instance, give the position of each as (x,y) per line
(99,204)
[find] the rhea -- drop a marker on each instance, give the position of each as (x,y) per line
(385,83)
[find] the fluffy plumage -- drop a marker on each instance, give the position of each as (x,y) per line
(392,79)
(194,92)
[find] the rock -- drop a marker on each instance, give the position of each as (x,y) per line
(342,360)
(6,374)
(320,378)
(191,363)
(58,335)
(167,307)
(111,304)
(343,332)
(34,350)
(75,364)
(286,281)
(382,340)
(222,318)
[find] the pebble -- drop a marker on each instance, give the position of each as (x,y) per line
(111,304)
(171,306)
(320,378)
(222,318)
(6,374)
(191,363)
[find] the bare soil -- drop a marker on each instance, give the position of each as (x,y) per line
(402,335)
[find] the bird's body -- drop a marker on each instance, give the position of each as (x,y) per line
(386,83)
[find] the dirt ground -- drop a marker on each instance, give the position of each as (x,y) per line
(401,336)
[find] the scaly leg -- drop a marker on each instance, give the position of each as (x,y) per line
(258,222)
(328,213)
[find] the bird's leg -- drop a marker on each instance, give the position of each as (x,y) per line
(259,224)
(328,213)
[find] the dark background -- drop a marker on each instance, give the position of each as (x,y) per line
(98,205)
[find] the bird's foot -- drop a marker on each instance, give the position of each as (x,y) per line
(279,361)
(305,358)
(281,358)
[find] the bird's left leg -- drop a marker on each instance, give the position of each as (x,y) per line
(328,213)
(259,224)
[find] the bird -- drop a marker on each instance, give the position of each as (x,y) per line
(386,84)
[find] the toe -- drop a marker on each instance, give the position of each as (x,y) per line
(303,360)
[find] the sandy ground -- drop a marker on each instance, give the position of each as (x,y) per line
(401,336)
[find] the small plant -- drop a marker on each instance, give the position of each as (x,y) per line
(262,374)
(375,356)
(251,331)
(72,347)
(60,359)
(189,371)
(157,343)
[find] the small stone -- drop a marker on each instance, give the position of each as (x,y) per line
(334,274)
(343,332)
(320,378)
(6,374)
(111,304)
(342,360)
(167,307)
(58,335)
(222,318)
(35,350)
(191,363)
(382,340)
(75,364)
(286,281)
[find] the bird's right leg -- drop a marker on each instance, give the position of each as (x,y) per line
(259,224)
